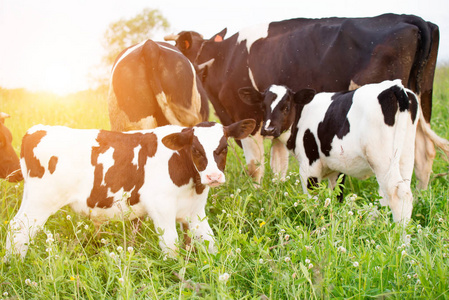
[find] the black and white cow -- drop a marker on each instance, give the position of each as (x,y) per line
(165,173)
(154,84)
(328,55)
(359,133)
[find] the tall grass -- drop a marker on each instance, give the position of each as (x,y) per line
(273,242)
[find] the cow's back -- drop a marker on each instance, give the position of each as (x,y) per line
(57,159)
(349,127)
(153,84)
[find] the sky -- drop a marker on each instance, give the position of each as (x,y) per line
(54,45)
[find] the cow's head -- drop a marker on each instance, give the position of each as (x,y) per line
(279,105)
(9,161)
(210,53)
(188,42)
(207,146)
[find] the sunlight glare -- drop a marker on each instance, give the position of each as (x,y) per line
(57,79)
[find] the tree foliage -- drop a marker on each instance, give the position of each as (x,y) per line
(127,32)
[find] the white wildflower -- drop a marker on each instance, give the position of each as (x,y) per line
(238,250)
(341,249)
(350,213)
(327,202)
(130,249)
(310,266)
(224,277)
(307,261)
(121,280)
(355,264)
(119,249)
(287,259)
(69,217)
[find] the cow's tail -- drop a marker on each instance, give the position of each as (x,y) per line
(422,53)
(423,68)
(438,141)
(175,114)
(15,176)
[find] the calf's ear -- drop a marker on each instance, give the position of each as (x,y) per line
(304,96)
(241,129)
(250,95)
(179,140)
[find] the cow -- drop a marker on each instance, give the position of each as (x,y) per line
(328,55)
(364,132)
(9,161)
(153,84)
(165,173)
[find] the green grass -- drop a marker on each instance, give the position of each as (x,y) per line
(273,242)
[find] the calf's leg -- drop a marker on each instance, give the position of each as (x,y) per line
(202,231)
(254,156)
(279,159)
(25,225)
(165,225)
(424,156)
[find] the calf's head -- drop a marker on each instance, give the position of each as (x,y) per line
(206,146)
(9,161)
(279,105)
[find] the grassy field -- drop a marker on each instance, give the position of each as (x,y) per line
(273,242)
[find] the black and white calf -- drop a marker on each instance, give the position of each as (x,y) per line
(165,173)
(359,133)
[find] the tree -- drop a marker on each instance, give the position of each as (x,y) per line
(127,32)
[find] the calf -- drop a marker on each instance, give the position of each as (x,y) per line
(359,133)
(165,173)
(9,161)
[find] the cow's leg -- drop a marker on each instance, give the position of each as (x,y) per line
(424,156)
(279,159)
(254,156)
(30,218)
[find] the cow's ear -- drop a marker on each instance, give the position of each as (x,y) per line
(184,41)
(304,96)
(219,37)
(179,140)
(250,95)
(241,129)
(3,116)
